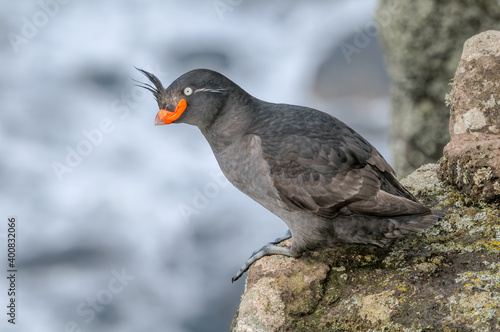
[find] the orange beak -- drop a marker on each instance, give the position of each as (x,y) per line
(165,117)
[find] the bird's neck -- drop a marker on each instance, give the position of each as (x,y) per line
(231,124)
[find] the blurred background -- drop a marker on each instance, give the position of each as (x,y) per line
(124,226)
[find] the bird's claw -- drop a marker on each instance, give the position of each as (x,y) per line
(268,249)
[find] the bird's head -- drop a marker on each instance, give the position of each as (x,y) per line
(195,98)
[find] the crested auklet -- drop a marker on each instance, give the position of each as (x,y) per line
(327,183)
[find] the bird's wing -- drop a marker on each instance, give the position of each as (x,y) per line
(389,183)
(328,174)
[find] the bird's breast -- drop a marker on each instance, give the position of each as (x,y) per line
(245,167)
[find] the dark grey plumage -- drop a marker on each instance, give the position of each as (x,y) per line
(326,182)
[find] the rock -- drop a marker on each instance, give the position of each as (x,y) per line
(444,279)
(472,158)
(475,96)
(422,41)
(271,284)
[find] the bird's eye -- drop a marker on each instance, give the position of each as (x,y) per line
(188,91)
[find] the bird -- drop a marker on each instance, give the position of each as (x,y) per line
(323,179)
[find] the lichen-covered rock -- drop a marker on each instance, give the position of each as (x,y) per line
(475,97)
(472,158)
(271,284)
(444,279)
(472,163)
(422,42)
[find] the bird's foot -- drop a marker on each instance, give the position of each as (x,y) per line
(268,249)
(284,237)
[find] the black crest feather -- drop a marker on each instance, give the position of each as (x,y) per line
(157,88)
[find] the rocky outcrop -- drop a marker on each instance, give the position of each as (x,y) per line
(444,279)
(472,158)
(422,41)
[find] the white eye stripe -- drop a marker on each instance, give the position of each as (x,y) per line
(188,91)
(210,90)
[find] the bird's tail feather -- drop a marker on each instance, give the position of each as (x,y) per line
(382,231)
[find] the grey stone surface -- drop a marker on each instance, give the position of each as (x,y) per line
(472,158)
